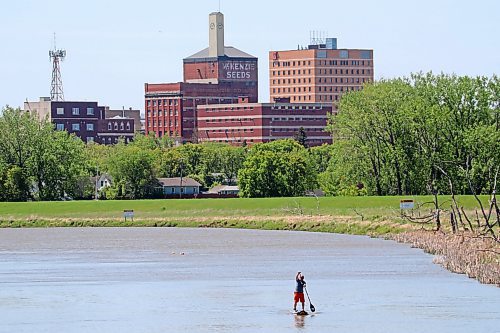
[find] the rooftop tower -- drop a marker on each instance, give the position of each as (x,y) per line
(56,88)
(216,35)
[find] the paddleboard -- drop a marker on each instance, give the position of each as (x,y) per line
(301,313)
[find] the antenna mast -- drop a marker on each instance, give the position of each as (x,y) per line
(56,88)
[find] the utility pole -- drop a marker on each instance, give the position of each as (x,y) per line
(180,189)
(96,183)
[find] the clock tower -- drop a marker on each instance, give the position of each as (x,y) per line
(216,35)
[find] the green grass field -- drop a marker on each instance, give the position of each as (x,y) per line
(203,208)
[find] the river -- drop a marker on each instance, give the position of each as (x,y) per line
(227,280)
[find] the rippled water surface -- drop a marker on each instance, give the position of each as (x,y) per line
(223,280)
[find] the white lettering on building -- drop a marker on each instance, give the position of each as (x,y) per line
(239,69)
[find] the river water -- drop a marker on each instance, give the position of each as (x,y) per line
(225,280)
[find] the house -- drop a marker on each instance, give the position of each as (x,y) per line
(224,190)
(102,181)
(179,185)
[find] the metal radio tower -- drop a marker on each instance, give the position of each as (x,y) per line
(56,88)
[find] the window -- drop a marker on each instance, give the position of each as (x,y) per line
(90,127)
(116,125)
(75,111)
(90,139)
(172,190)
(90,111)
(75,127)
(121,126)
(60,110)
(128,126)
(60,127)
(109,127)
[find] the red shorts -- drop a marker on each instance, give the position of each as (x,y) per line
(298,297)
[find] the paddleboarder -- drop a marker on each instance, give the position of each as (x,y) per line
(298,295)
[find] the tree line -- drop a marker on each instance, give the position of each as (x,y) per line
(425,134)
(38,162)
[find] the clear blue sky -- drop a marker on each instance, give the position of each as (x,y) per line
(114,47)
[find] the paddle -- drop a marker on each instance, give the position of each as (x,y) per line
(311,306)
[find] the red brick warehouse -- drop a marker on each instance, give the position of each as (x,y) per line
(263,122)
(218,74)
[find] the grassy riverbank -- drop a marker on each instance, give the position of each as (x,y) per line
(353,215)
(366,208)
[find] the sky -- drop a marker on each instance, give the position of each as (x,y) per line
(114,47)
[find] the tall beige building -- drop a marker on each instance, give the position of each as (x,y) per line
(320,73)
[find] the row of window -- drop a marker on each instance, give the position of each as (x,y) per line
(75,111)
(241,120)
(164,113)
(111,140)
(297,119)
(162,124)
(74,127)
(165,102)
(320,80)
(115,126)
(90,127)
(233,140)
(232,130)
(229,109)
(324,71)
(295,130)
(321,62)
(169,133)
(320,89)
(234,120)
(183,189)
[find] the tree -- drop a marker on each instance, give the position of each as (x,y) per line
(301,137)
(277,168)
(57,163)
(39,162)
(231,161)
(17,129)
(405,132)
(132,169)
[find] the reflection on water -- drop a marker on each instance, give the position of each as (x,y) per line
(137,280)
(299,321)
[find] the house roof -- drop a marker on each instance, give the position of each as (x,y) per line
(229,51)
(186,181)
(216,189)
(220,188)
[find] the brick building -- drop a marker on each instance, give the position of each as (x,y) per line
(218,74)
(320,73)
(125,113)
(86,120)
(263,122)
